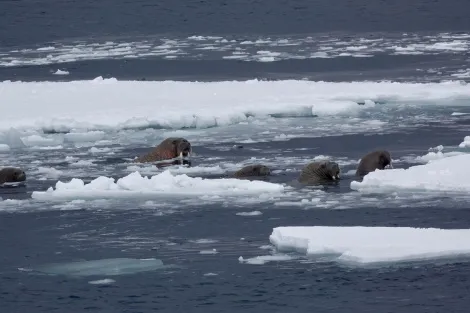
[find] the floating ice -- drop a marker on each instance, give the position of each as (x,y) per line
(164,183)
(263,259)
(49,172)
(60,72)
(4,147)
(11,137)
(102,104)
(106,267)
(465,143)
(211,274)
(252,213)
(448,174)
(37,140)
(84,137)
(251,48)
(213,251)
(106,281)
(368,245)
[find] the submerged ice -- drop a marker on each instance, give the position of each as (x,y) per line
(106,267)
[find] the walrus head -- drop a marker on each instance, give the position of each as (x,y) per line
(182,147)
(384,159)
(320,172)
(379,159)
(12,175)
(331,169)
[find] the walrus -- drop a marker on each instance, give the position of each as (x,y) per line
(320,172)
(12,175)
(378,159)
(255,170)
(168,149)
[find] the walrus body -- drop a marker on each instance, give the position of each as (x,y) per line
(168,149)
(256,170)
(320,172)
(374,160)
(11,175)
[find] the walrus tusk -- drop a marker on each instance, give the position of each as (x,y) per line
(181,155)
(334,177)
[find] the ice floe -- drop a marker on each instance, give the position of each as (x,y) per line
(87,109)
(136,185)
(373,245)
(448,174)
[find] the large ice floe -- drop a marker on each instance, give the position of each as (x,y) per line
(163,184)
(449,174)
(103,104)
(373,245)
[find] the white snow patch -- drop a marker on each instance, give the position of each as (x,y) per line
(368,245)
(448,174)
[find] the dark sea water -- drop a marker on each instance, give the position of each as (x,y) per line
(342,41)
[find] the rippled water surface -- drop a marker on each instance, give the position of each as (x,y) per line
(208,238)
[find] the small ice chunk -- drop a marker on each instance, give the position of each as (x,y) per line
(213,251)
(60,72)
(253,213)
(465,143)
(106,281)
(211,274)
(260,260)
(4,147)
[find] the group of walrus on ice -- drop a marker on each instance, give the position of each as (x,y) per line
(173,151)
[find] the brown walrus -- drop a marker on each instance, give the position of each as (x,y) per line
(168,149)
(320,172)
(12,175)
(374,160)
(252,170)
